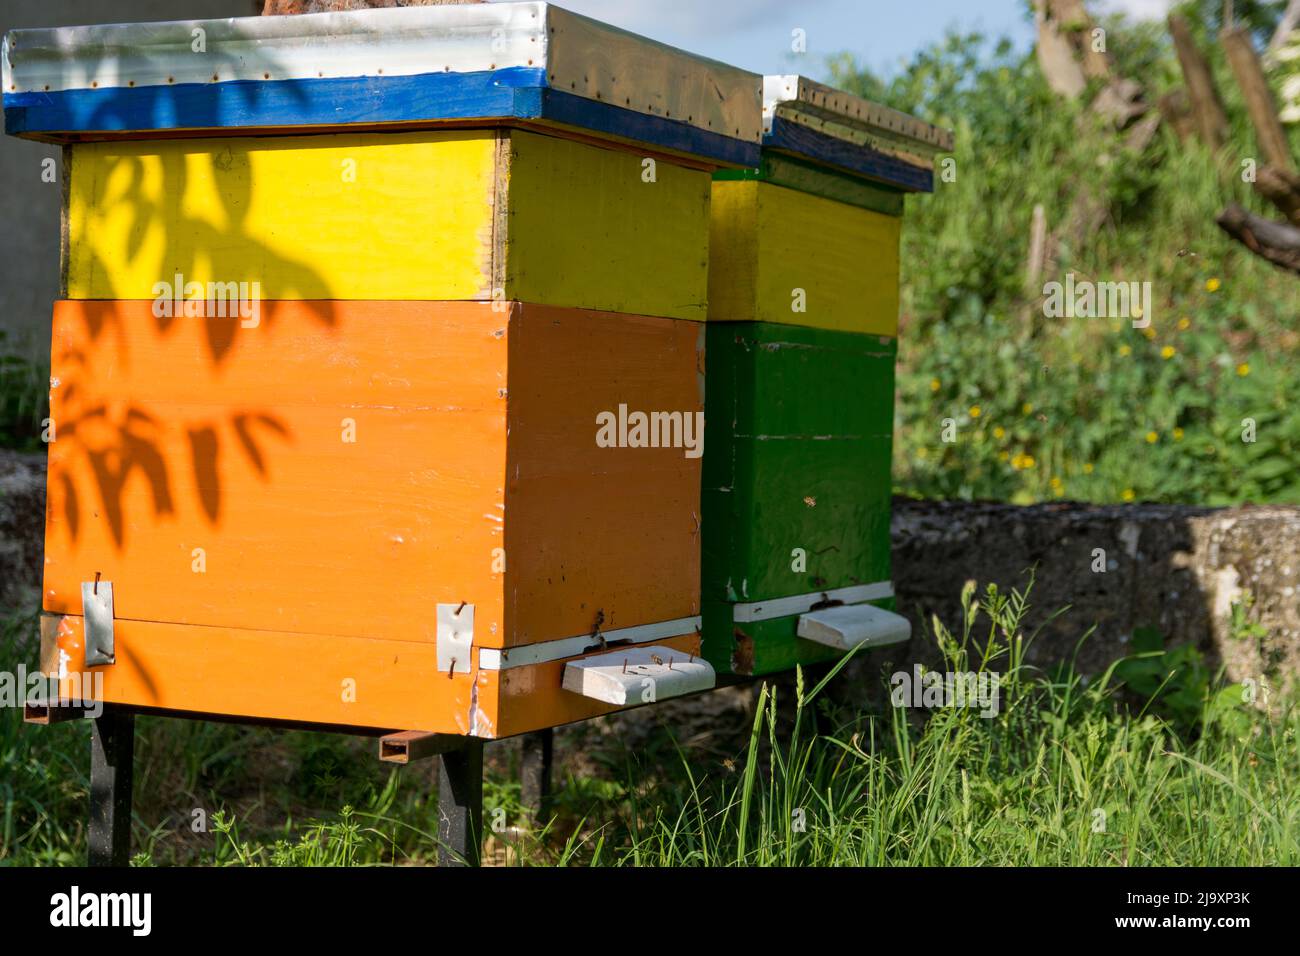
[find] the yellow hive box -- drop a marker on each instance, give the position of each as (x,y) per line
(454,215)
(784,256)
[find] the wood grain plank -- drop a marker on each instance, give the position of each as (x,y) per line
(404,216)
(845,259)
(199,434)
(325,679)
(590,531)
(820,181)
(585,230)
(273,675)
(799,437)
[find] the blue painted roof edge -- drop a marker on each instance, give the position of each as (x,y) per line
(811,145)
(518,93)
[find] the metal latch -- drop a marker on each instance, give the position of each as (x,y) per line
(455,637)
(97,612)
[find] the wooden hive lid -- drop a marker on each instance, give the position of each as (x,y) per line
(832,128)
(509,63)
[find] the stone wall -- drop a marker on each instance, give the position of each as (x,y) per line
(1174,568)
(22,528)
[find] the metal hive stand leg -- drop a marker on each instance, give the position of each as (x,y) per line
(112,758)
(460,805)
(535,773)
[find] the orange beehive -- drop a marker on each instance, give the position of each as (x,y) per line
(280,516)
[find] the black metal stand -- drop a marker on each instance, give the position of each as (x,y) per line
(460,805)
(460,780)
(112,757)
(535,773)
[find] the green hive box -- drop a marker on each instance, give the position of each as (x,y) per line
(799,390)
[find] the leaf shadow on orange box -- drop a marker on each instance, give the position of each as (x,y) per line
(342,479)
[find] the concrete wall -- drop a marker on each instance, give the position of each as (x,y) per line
(29,208)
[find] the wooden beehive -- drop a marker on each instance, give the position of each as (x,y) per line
(803,323)
(376,497)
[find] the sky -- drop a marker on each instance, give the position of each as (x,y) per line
(756,34)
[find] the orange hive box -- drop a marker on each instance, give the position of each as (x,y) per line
(285,510)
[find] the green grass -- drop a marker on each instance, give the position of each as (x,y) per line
(1087,409)
(1153,763)
(24,397)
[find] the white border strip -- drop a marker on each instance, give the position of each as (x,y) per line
(397,41)
(801,603)
(504,658)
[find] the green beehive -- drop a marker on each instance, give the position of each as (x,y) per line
(801,345)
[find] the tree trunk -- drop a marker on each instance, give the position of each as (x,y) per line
(1277,242)
(1259,99)
(1056,55)
(1289,23)
(1282,189)
(1177,112)
(1207,109)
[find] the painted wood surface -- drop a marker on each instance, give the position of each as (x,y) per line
(466,215)
(333,104)
(800,425)
(584,228)
(630,676)
(474,474)
(784,256)
(525,698)
(819,181)
(196,433)
(415,224)
(761,647)
(807,143)
(594,534)
(322,678)
(847,627)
